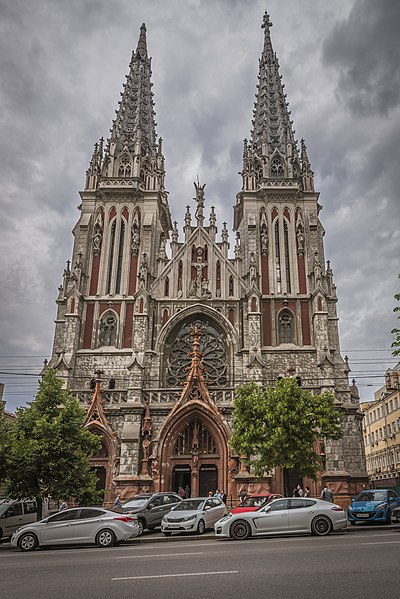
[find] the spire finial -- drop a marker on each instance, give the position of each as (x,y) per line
(142,43)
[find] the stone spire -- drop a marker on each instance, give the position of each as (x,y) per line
(132,150)
(272,152)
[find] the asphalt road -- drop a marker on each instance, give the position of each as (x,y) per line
(353,564)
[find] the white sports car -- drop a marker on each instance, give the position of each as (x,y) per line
(284,516)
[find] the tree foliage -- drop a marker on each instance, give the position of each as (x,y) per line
(48,448)
(396,331)
(278,426)
(5,433)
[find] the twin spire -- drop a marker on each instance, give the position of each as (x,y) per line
(271,153)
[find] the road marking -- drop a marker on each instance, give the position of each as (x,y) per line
(176,575)
(381,543)
(159,555)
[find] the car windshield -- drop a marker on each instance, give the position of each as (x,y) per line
(253,501)
(139,502)
(190,504)
(371,496)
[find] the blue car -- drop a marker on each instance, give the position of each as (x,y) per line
(373,505)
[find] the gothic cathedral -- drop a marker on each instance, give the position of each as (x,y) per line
(155,329)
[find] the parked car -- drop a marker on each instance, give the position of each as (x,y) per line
(373,505)
(396,514)
(193,515)
(252,503)
(150,508)
(14,514)
(284,516)
(77,526)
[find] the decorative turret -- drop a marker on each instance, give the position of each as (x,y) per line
(306,171)
(272,152)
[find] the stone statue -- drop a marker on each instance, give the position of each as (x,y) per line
(199,214)
(264,241)
(135,241)
(252,268)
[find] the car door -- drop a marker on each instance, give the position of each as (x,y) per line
(216,512)
(12,518)
(301,512)
(155,512)
(208,512)
(29,512)
(274,517)
(58,529)
(87,523)
(169,501)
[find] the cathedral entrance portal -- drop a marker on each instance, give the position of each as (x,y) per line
(181,477)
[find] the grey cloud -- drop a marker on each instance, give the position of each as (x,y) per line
(365,50)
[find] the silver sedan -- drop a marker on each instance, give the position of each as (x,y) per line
(193,515)
(77,526)
(284,516)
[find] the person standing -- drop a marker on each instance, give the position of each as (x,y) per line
(223,496)
(300,492)
(307,492)
(187,492)
(118,501)
(62,506)
(327,494)
(181,492)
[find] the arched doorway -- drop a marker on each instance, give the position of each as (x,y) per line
(194,453)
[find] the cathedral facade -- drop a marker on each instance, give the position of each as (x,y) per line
(156,328)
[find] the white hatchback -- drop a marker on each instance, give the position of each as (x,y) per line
(193,515)
(292,515)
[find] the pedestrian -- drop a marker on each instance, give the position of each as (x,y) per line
(118,501)
(217,494)
(300,491)
(296,492)
(187,492)
(181,492)
(62,505)
(210,493)
(327,494)
(307,492)
(242,495)
(223,496)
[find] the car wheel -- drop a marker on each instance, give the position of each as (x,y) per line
(1,534)
(105,538)
(240,530)
(321,526)
(167,534)
(201,527)
(141,527)
(28,542)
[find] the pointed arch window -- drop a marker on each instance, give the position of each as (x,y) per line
(120,257)
(108,330)
(125,168)
(218,276)
(278,270)
(287,256)
(231,290)
(277,170)
(111,256)
(285,327)
(166,287)
(180,275)
(195,438)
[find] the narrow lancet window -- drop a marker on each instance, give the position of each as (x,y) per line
(278,259)
(111,257)
(285,327)
(287,258)
(120,258)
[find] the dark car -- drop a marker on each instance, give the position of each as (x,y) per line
(150,508)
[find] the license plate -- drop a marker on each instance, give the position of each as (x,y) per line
(362,515)
(173,525)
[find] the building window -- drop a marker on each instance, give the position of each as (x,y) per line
(277,171)
(111,256)
(287,259)
(120,258)
(108,331)
(285,327)
(278,259)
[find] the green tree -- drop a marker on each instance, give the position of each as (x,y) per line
(396,331)
(5,433)
(278,426)
(49,450)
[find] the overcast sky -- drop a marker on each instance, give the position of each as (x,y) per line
(62,66)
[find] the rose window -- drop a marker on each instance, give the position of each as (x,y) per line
(213,352)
